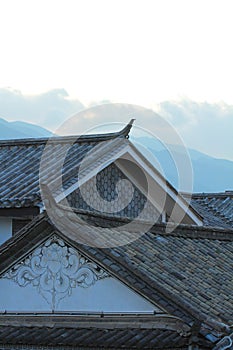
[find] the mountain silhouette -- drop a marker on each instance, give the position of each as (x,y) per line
(19,130)
(209,174)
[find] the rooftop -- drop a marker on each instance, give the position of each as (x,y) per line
(20,163)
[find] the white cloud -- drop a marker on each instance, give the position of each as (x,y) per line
(203,126)
(48,109)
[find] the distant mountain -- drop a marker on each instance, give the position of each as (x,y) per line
(209,174)
(19,130)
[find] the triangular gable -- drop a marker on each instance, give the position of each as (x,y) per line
(159,193)
(56,277)
(105,188)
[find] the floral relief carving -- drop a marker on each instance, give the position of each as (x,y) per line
(55,269)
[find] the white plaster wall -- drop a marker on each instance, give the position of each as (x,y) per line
(107,295)
(5,229)
(57,277)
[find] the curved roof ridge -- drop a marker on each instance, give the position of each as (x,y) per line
(70,138)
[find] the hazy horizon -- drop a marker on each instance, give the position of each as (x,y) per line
(204,127)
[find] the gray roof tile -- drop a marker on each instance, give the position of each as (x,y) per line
(216,208)
(20,162)
(94,338)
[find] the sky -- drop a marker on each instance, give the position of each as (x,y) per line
(143,52)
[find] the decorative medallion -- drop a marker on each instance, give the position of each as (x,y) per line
(54,269)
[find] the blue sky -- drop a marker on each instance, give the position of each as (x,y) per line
(172,56)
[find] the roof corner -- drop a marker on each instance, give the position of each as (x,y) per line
(126,130)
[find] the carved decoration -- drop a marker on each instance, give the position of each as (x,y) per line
(54,269)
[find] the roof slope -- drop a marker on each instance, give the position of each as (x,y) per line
(189,270)
(20,163)
(217,208)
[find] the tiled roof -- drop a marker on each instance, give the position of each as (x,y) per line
(90,332)
(187,272)
(94,338)
(19,175)
(58,163)
(216,208)
(209,217)
(20,162)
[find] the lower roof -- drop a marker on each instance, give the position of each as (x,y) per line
(188,272)
(216,208)
(135,332)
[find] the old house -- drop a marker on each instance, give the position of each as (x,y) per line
(81,269)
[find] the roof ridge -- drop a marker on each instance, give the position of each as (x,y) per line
(227,193)
(70,138)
